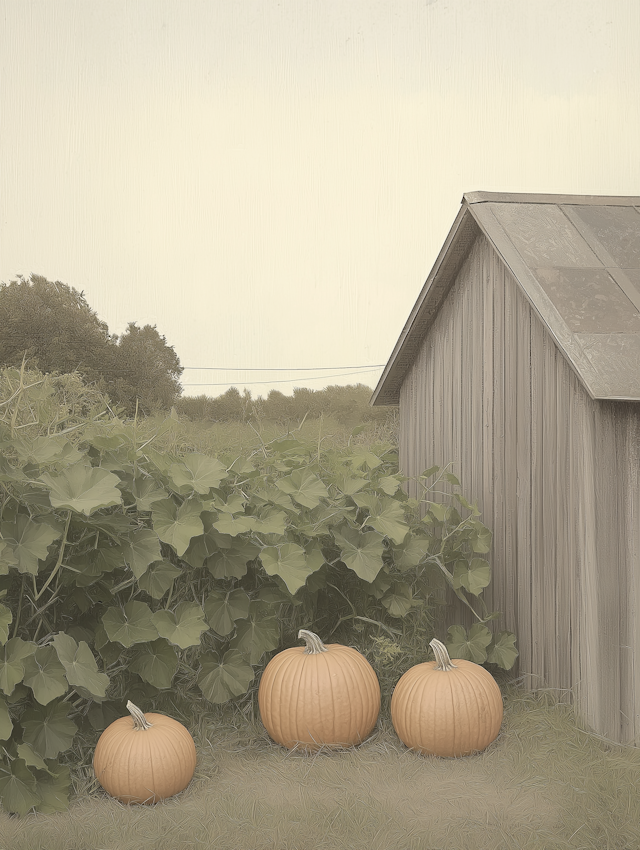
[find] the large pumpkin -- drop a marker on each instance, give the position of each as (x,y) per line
(446,708)
(318,695)
(144,758)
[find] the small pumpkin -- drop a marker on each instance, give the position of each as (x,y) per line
(318,695)
(144,758)
(446,708)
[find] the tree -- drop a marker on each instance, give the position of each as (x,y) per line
(52,324)
(149,370)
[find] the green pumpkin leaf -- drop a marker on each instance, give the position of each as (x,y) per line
(291,563)
(503,651)
(222,679)
(30,757)
(44,674)
(197,473)
(29,540)
(184,626)
(133,625)
(256,636)
(439,512)
(362,553)
(12,656)
(109,652)
(146,493)
(83,488)
(361,457)
(349,485)
(227,524)
(6,726)
(450,477)
(158,578)
(380,585)
(304,487)
(8,472)
(241,466)
(17,787)
(272,522)
(80,666)
(473,575)
(367,500)
(398,600)
(465,504)
(272,495)
(389,520)
(8,557)
(223,609)
(48,729)
(232,562)
(411,553)
(6,618)
(234,505)
(155,662)
(176,526)
(141,549)
(472,648)
(47,449)
(53,790)
(481,537)
(389,485)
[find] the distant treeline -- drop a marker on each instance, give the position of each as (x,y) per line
(51,327)
(348,405)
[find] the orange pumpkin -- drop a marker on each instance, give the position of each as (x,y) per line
(318,695)
(446,708)
(144,758)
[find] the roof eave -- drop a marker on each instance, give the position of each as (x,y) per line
(456,247)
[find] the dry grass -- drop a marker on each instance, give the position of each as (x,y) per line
(546,782)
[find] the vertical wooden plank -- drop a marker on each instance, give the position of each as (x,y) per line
(508,568)
(498,515)
(486,355)
(456,414)
(630,668)
(607,622)
(588,697)
(475,370)
(625,537)
(577,448)
(549,513)
(537,497)
(562,563)
(523,491)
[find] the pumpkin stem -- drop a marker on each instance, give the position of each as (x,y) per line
(139,720)
(314,644)
(442,656)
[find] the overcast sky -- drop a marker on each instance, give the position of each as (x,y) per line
(269,182)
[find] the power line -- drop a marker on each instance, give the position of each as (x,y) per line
(254,383)
(284,369)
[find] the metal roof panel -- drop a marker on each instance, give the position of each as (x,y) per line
(576,259)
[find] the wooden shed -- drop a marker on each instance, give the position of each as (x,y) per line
(520,362)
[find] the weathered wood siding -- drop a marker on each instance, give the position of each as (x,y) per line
(555,475)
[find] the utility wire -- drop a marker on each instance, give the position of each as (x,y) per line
(280,369)
(253,383)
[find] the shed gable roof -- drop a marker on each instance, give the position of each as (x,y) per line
(576,259)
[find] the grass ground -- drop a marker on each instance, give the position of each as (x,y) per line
(546,783)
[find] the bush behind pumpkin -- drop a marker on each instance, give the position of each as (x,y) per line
(127,572)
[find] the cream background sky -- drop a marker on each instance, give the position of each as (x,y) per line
(270,181)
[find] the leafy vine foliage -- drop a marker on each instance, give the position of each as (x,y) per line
(128,569)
